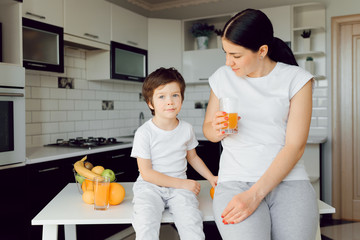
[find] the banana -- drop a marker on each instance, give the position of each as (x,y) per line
(81,170)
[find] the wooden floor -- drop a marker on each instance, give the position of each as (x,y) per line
(339,230)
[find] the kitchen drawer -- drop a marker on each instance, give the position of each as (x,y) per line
(13,201)
(120,162)
(44,182)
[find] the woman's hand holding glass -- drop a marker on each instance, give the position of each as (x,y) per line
(220,122)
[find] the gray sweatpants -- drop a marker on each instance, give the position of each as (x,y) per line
(150,201)
(289,212)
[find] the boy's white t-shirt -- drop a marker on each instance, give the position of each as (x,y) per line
(264,108)
(166,149)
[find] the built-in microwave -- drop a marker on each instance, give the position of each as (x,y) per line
(128,62)
(12,114)
(43,46)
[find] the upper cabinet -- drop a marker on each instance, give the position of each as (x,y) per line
(47,11)
(199,65)
(164,44)
(11,22)
(128,27)
(88,19)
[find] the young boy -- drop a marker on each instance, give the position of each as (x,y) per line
(163,145)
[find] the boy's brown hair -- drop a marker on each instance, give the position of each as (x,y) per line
(160,77)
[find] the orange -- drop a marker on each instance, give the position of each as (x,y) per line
(87,185)
(117,193)
(212,191)
(88,197)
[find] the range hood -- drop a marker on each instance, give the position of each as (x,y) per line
(83,43)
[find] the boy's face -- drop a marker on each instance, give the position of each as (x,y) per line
(167,100)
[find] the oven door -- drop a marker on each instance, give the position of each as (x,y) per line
(12,127)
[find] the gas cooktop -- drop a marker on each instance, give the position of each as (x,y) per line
(89,142)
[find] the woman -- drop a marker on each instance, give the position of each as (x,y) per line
(263,190)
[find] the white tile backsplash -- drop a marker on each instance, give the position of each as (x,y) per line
(53,113)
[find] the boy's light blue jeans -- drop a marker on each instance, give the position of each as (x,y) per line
(150,201)
(289,212)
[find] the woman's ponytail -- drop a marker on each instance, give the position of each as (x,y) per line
(279,51)
(251,29)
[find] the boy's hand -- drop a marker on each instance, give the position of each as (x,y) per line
(213,181)
(192,185)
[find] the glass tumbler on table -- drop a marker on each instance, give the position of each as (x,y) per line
(101,193)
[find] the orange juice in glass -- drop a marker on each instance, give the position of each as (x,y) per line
(229,105)
(101,193)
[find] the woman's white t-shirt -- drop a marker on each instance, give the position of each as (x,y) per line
(264,108)
(167,150)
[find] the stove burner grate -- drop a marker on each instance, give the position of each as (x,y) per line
(86,142)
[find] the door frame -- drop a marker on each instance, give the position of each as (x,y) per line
(337,142)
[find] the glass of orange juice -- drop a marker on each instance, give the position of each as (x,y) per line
(229,105)
(101,193)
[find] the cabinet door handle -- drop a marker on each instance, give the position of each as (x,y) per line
(132,43)
(203,79)
(49,169)
(91,35)
(118,156)
(119,173)
(35,15)
(3,94)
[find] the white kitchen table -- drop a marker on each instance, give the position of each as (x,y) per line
(68,209)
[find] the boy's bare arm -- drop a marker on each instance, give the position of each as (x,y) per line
(198,164)
(163,180)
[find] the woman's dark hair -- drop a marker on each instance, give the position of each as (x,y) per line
(160,77)
(251,29)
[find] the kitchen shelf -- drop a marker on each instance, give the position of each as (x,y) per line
(318,28)
(320,77)
(189,40)
(309,16)
(310,53)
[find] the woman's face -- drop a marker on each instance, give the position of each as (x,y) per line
(242,61)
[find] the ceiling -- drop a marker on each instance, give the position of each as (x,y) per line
(187,9)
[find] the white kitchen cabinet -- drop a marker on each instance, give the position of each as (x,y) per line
(199,65)
(88,19)
(280,19)
(11,22)
(311,158)
(164,44)
(128,27)
(47,11)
